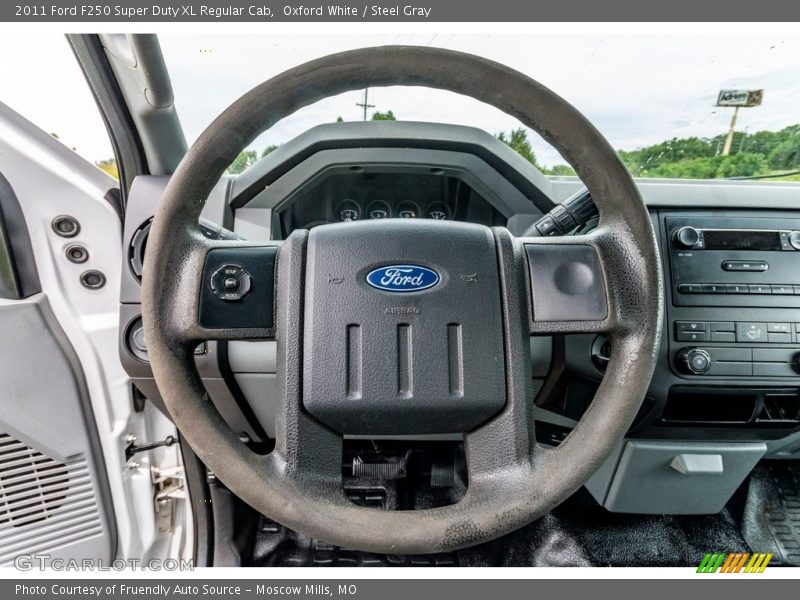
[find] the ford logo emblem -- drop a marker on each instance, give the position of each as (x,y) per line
(402,278)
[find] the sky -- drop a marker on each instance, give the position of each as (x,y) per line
(637,89)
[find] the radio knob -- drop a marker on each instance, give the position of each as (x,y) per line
(686,237)
(794,240)
(694,361)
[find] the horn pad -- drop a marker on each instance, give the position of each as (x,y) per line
(403,327)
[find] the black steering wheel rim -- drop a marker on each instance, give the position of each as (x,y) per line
(512,480)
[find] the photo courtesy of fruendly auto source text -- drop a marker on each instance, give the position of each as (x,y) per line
(380,300)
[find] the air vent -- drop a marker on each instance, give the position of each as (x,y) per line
(44,504)
(137,248)
(138,245)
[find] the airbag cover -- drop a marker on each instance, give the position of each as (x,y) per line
(399,360)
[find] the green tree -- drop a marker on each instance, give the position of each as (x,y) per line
(742,164)
(761,142)
(650,158)
(559,170)
(269,150)
(786,155)
(383,116)
(245,159)
(517,140)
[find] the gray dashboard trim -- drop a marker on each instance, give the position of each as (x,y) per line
(709,194)
(395,134)
(473,171)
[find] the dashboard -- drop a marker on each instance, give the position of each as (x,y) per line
(387,194)
(727,382)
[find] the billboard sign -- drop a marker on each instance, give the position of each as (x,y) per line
(740,97)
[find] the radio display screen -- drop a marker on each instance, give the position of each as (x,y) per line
(730,239)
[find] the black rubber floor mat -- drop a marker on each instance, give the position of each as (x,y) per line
(772,517)
(577,533)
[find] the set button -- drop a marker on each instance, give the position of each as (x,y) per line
(230,283)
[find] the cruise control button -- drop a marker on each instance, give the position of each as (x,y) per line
(230,283)
(231,271)
(751,332)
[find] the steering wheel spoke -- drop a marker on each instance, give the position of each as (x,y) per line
(225,290)
(569,285)
(237,291)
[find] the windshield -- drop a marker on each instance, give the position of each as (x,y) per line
(654,97)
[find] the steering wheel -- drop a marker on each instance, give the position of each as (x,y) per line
(404,326)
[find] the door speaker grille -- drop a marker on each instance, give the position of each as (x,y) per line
(44,504)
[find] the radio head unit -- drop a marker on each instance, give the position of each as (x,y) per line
(763,240)
(734,261)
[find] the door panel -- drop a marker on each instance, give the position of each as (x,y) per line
(53,494)
(57,385)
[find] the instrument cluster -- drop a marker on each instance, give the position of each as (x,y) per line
(349,209)
(359,196)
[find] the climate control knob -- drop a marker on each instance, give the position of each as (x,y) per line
(694,361)
(686,237)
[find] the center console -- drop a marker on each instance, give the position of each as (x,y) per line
(726,391)
(735,289)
